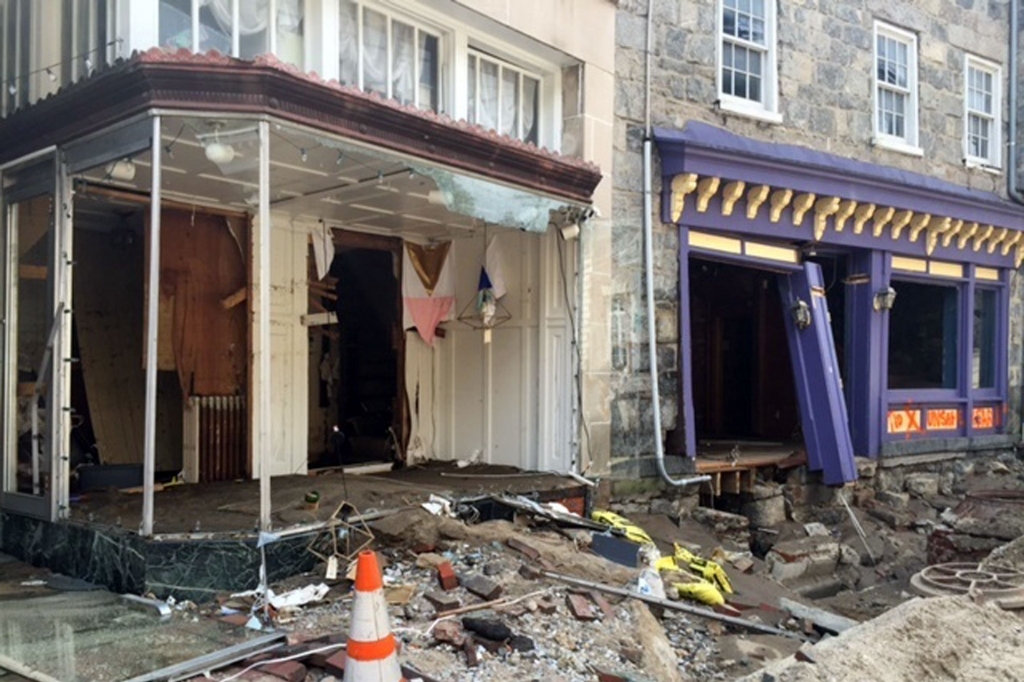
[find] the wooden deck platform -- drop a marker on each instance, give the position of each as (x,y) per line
(737,473)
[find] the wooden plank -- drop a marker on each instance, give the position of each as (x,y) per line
(33,271)
(229,302)
(108,321)
(319,319)
(731,482)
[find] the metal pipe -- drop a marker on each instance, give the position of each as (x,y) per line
(652,339)
(262,426)
(1011,165)
(152,329)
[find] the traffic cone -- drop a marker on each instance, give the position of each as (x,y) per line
(371,650)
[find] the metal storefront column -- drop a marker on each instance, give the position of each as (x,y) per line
(152,315)
(261,355)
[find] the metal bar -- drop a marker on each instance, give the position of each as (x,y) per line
(675,606)
(262,427)
(28,157)
(37,391)
(152,329)
(216,659)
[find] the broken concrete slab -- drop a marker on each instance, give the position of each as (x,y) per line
(483,587)
(896,500)
(810,557)
(442,601)
(822,619)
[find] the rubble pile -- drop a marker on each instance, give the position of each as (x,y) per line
(790,569)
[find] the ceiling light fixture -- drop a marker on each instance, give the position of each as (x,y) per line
(304,155)
(219,152)
(51,75)
(122,170)
(341,158)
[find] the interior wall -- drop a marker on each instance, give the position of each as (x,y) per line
(507,401)
(108,318)
(289,346)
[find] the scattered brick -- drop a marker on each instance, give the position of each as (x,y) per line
(472,656)
(580,607)
(423,548)
(523,548)
(449,632)
(442,601)
(486,589)
(602,604)
(291,671)
(236,619)
(335,664)
(727,610)
(529,572)
(609,676)
(744,564)
(521,643)
(547,605)
(446,576)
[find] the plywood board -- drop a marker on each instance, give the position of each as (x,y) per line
(108,319)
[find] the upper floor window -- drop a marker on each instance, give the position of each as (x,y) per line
(895,88)
(982,138)
(240,28)
(389,55)
(747,82)
(503,97)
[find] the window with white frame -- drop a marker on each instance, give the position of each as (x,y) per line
(747,58)
(982,138)
(390,55)
(503,97)
(895,87)
(240,28)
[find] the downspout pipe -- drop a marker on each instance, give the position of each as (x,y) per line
(1011,167)
(652,340)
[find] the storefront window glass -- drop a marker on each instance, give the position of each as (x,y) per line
(983,358)
(923,336)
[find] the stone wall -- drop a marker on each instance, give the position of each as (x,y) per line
(825,67)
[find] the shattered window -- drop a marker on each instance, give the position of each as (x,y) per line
(923,336)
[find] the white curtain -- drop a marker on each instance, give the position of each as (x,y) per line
(348,46)
(509,103)
(488,114)
(375,51)
(253,15)
(403,66)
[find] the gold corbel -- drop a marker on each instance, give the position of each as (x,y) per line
(801,205)
(730,195)
(755,197)
(843,213)
(861,216)
(780,200)
(919,224)
(1011,242)
(966,234)
(706,189)
(936,230)
(823,208)
(982,235)
(954,230)
(882,218)
(900,221)
(1019,258)
(997,239)
(682,184)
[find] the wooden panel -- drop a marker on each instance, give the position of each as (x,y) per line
(108,320)
(201,263)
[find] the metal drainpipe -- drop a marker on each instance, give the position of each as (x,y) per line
(652,340)
(1011,169)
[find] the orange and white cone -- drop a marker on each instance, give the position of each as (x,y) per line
(371,648)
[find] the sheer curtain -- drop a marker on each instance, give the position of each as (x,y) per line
(348,44)
(403,64)
(375,51)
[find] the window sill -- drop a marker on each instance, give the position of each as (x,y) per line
(983,166)
(896,145)
(741,108)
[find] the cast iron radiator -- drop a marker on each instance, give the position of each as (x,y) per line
(215,439)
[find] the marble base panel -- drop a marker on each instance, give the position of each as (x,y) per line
(197,570)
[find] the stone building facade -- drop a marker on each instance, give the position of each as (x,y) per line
(820,89)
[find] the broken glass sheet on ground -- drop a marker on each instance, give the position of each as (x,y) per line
(97,636)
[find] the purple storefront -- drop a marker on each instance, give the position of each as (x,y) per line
(860,309)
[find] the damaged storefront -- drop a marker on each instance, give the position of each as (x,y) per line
(229,270)
(838,307)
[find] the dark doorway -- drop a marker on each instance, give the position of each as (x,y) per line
(742,379)
(835,271)
(358,361)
